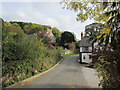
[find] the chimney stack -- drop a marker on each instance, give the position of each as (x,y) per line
(81,35)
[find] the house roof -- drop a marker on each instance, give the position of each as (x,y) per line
(85,42)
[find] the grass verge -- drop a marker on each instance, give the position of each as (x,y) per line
(70,54)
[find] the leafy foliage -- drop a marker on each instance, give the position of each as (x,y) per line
(58,41)
(86,10)
(93,30)
(106,66)
(56,32)
(17,47)
(24,57)
(67,37)
(30,28)
(18,70)
(108,13)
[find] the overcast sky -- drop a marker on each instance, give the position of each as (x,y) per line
(45,13)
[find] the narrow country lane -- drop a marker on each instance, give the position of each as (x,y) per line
(69,73)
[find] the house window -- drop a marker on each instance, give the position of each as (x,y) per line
(84,57)
(86,49)
(90,49)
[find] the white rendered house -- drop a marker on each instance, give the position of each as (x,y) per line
(86,48)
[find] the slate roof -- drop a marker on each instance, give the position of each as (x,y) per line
(85,42)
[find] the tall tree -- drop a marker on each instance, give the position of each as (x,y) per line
(92,30)
(67,37)
(106,12)
(109,14)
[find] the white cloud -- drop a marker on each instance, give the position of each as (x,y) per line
(44,13)
(51,22)
(29,14)
(21,14)
(66,19)
(0,9)
(64,22)
(31,0)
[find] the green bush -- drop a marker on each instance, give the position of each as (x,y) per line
(17,47)
(23,57)
(76,51)
(106,66)
(18,70)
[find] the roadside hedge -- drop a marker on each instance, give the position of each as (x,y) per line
(17,70)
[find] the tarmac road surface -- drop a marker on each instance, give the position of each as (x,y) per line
(69,73)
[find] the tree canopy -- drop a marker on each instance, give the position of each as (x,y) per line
(92,30)
(106,12)
(30,28)
(67,37)
(109,14)
(89,9)
(56,32)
